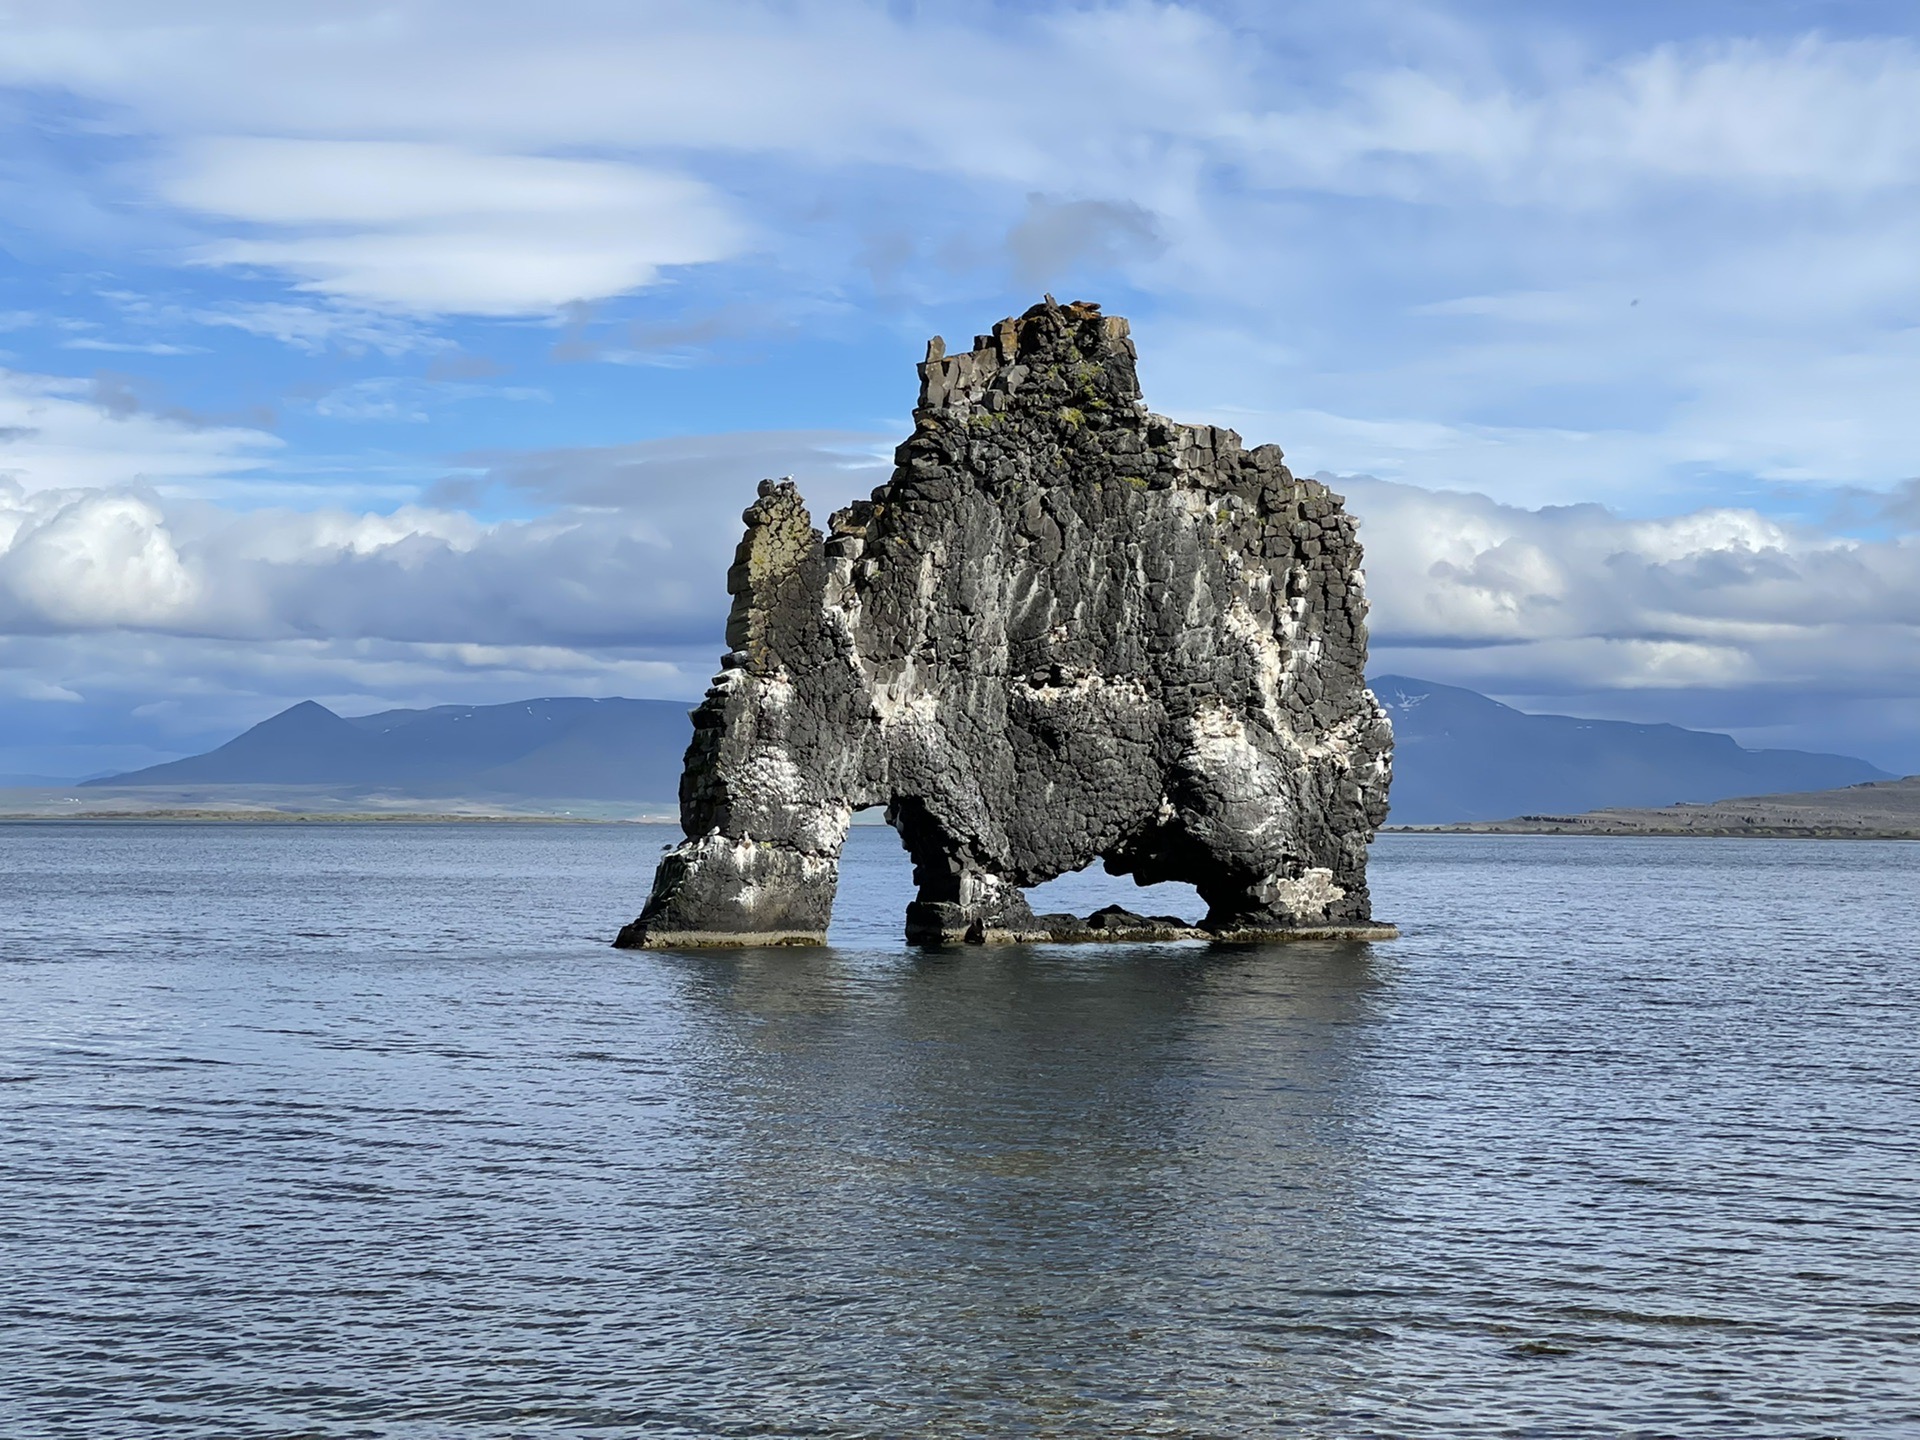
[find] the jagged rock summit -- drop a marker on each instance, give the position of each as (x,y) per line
(1067,629)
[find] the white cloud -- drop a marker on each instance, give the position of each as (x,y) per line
(92,560)
(408,399)
(444,228)
(614,590)
(1784,634)
(826,82)
(1026,100)
(128,347)
(53,436)
(1761,196)
(399,121)
(1649,405)
(1707,599)
(624,558)
(1837,118)
(382,398)
(316,328)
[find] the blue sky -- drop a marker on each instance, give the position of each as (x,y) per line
(411,353)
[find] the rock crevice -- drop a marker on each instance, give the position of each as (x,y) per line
(1066,629)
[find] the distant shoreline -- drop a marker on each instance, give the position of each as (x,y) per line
(1877,810)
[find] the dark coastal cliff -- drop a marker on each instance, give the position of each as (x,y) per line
(1067,629)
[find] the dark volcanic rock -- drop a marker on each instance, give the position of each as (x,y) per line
(1066,629)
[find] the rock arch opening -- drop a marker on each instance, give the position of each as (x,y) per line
(1086,891)
(875,885)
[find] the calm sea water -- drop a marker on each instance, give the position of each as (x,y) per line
(363,1131)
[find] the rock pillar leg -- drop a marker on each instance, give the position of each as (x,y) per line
(974,909)
(720,891)
(1278,905)
(960,901)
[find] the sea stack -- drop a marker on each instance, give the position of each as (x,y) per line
(1066,630)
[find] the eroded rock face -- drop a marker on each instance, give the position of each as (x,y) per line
(1065,630)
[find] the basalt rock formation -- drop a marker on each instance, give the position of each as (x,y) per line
(1067,629)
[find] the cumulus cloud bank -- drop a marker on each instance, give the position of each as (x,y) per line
(622,566)
(1578,598)
(624,555)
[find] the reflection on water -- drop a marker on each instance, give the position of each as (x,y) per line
(1046,1152)
(365,1132)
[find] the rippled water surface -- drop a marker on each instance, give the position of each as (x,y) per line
(363,1131)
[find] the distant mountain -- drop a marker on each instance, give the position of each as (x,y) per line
(33,782)
(1459,756)
(554,749)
